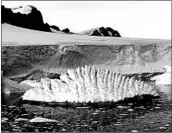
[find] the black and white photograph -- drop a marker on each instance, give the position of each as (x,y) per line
(86,66)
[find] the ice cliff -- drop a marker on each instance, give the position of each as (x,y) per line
(87,84)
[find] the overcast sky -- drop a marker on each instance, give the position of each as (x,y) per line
(136,19)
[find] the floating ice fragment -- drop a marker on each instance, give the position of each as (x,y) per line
(164,78)
(40,119)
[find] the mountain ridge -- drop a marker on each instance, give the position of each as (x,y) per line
(31,18)
(101,31)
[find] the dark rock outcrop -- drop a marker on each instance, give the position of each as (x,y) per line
(55,27)
(102,31)
(113,32)
(66,30)
(96,33)
(26,17)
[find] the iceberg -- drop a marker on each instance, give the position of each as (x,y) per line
(165,78)
(87,84)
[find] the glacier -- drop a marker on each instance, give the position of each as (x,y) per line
(87,84)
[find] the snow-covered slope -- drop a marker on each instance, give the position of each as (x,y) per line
(87,84)
(13,35)
(23,10)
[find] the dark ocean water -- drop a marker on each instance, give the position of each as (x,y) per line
(147,114)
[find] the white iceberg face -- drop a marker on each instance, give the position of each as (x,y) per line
(165,78)
(163,82)
(87,84)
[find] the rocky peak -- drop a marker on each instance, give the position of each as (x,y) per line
(26,17)
(66,30)
(102,31)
